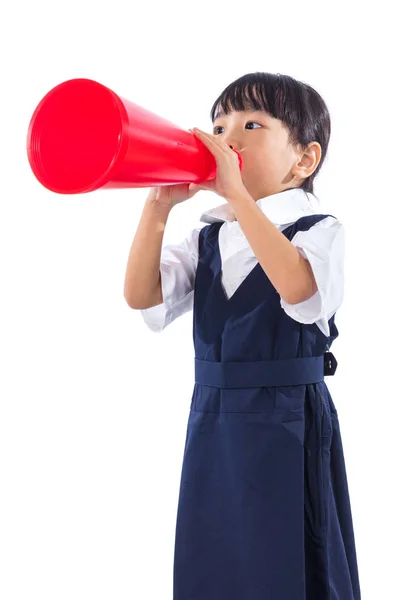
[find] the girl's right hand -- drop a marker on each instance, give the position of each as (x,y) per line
(169,195)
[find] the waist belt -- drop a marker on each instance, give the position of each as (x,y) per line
(293,371)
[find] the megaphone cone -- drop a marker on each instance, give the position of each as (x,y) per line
(83,137)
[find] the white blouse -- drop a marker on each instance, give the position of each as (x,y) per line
(323,245)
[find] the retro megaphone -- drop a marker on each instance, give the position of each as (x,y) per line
(83,137)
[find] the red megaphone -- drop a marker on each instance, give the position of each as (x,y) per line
(82,137)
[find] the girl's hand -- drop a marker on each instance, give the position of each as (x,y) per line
(168,196)
(228,181)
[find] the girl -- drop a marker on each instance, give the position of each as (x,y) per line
(264,510)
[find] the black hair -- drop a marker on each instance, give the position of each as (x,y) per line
(296,104)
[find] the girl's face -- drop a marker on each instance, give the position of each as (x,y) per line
(270,163)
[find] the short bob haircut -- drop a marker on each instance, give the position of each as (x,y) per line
(296,104)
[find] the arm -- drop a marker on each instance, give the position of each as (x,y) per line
(290,273)
(178,268)
(323,245)
(142,288)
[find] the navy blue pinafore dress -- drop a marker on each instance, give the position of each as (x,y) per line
(264,510)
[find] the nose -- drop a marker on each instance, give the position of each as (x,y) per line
(233,144)
(232,139)
(237,147)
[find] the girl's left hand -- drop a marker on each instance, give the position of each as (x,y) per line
(228,181)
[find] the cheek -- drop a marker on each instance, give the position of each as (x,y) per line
(262,162)
(279,159)
(267,159)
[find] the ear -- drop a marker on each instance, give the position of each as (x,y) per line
(308,160)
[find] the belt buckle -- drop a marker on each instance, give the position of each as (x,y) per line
(330,363)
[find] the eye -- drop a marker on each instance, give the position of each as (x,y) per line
(253,123)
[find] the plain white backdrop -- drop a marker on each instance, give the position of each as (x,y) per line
(93,404)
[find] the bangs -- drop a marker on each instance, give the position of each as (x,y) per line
(279,96)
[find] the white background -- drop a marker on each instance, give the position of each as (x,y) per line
(93,404)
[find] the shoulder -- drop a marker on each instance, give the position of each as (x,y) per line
(318,233)
(318,220)
(309,226)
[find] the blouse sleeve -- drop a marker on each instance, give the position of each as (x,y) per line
(178,267)
(323,245)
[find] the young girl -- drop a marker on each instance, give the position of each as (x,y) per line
(264,510)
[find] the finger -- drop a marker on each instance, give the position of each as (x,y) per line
(204,136)
(204,186)
(216,146)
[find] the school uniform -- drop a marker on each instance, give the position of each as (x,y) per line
(264,509)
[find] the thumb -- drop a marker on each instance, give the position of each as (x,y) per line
(194,188)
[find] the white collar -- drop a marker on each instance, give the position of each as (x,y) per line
(281,208)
